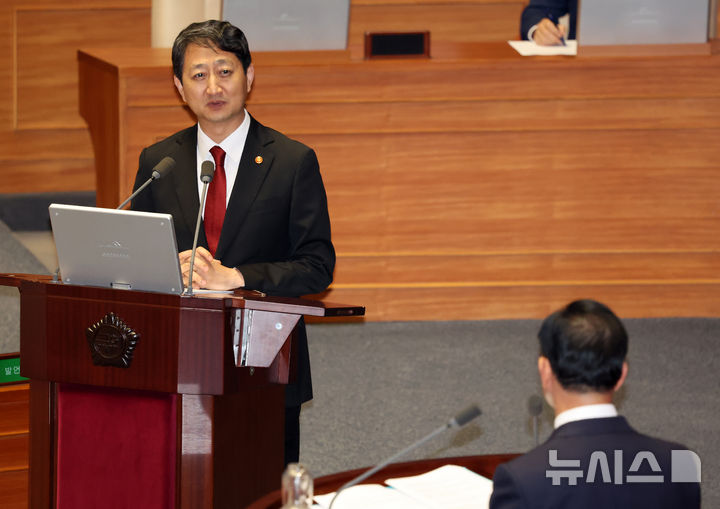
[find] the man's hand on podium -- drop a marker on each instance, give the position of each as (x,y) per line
(209,273)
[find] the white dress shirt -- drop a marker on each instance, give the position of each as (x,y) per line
(233,146)
(581,413)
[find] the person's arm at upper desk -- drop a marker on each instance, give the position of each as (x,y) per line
(536,25)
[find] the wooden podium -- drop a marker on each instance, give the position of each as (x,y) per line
(149,400)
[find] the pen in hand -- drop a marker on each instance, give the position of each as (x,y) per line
(554,20)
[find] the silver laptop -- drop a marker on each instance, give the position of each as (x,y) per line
(116,248)
(286,25)
(608,22)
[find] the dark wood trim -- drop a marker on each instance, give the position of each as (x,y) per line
(41,493)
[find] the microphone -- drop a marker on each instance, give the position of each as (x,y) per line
(161,169)
(207,170)
(535,407)
(458,421)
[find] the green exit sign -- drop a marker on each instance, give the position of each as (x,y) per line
(10,370)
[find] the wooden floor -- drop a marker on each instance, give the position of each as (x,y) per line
(14,433)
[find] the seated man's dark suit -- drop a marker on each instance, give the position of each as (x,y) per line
(539,9)
(522,483)
(276,229)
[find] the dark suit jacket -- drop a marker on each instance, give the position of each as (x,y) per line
(539,9)
(522,483)
(276,229)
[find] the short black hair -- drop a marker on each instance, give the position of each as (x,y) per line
(586,345)
(212,34)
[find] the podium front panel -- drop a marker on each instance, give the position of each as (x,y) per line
(116,448)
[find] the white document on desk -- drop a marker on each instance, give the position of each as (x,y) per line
(364,496)
(447,487)
(529,48)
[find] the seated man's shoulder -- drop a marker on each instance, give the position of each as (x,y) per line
(618,466)
(595,439)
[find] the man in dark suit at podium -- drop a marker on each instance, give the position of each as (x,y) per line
(539,21)
(593,459)
(265,223)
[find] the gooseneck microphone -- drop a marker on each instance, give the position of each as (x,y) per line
(161,169)
(535,407)
(458,421)
(207,170)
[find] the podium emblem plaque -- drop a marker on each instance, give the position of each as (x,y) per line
(112,342)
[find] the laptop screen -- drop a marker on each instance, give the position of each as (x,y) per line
(116,248)
(609,22)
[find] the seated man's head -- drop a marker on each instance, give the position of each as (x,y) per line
(582,355)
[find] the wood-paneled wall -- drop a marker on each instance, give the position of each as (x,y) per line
(459,188)
(458,191)
(44,144)
(504,188)
(14,434)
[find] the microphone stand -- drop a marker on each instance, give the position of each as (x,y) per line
(137,191)
(160,169)
(458,421)
(535,407)
(207,170)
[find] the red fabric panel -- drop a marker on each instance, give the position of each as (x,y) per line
(116,448)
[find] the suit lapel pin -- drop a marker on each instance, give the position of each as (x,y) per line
(258,159)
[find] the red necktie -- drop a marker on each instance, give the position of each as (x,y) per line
(215,205)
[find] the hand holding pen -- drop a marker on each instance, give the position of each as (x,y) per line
(560,28)
(549,32)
